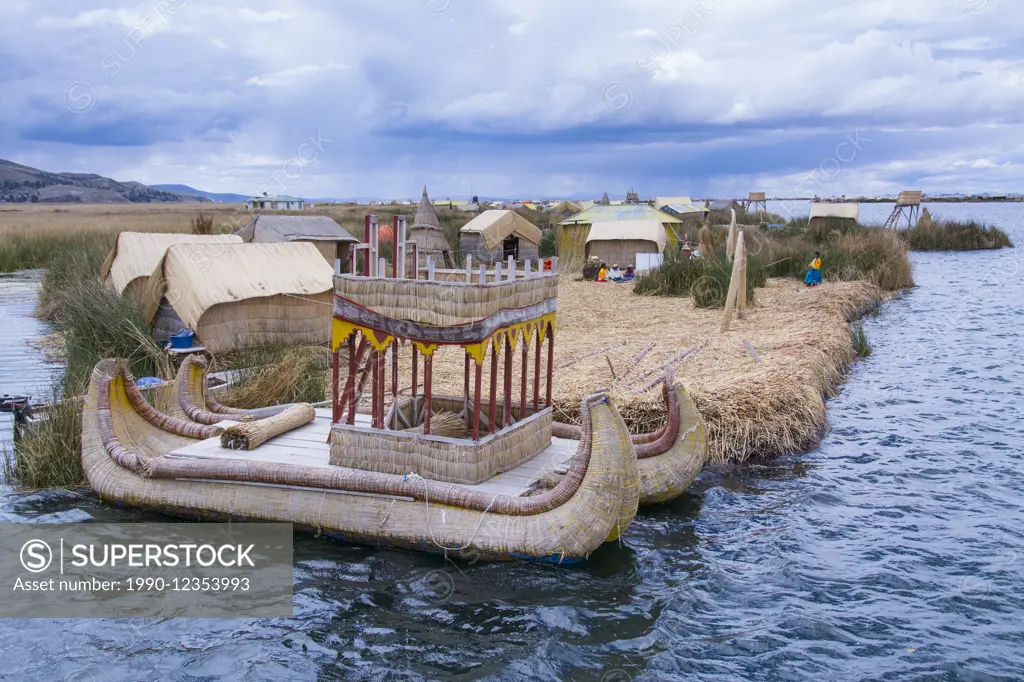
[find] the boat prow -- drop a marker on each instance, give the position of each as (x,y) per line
(137,456)
(671,458)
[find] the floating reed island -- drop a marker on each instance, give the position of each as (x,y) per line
(760,388)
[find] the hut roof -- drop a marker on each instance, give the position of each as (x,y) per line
(566,206)
(238,272)
(849,211)
(619,230)
(756,196)
(494,226)
(661,202)
(723,204)
(290,228)
(909,198)
(426,216)
(683,208)
(599,213)
(136,254)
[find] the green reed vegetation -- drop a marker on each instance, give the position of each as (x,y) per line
(956,235)
(705,280)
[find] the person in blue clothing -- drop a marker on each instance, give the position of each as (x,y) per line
(813,277)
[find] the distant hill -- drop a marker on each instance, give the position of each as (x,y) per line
(221,198)
(23,184)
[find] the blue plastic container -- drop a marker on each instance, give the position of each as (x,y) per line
(182,339)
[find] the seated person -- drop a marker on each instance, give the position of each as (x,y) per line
(590,268)
(602,274)
(630,273)
(615,274)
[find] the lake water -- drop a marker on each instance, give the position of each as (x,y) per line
(893,552)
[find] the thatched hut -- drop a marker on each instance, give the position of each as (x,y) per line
(615,234)
(240,295)
(330,239)
(495,235)
(426,230)
(136,254)
(823,215)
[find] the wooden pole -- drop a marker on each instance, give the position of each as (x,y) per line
(381,359)
(730,297)
(551,364)
(465,387)
(428,375)
(394,370)
(366,251)
(507,412)
(476,400)
(350,385)
(741,292)
(374,381)
(492,407)
(536,374)
(415,368)
(522,379)
(335,380)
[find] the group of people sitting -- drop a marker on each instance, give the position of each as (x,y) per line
(613,274)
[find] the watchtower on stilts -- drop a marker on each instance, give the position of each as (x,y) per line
(387,319)
(908,207)
(757,202)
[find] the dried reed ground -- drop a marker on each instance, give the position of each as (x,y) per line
(752,409)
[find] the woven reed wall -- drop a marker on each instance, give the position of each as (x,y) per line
(441,459)
(443,304)
(621,251)
(289,320)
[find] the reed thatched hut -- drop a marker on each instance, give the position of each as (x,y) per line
(136,254)
(497,234)
(240,295)
(615,234)
(426,230)
(330,239)
(823,215)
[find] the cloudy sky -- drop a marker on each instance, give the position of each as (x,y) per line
(510,98)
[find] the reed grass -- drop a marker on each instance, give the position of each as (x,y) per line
(705,280)
(274,374)
(956,235)
(861,345)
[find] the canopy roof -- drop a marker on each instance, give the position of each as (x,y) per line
(196,277)
(646,230)
(598,213)
(495,225)
(685,208)
(850,211)
(723,204)
(290,228)
(135,254)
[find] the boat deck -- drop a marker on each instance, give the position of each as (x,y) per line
(307,446)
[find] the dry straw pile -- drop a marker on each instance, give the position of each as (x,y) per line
(767,405)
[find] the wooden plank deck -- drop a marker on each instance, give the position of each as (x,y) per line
(307,446)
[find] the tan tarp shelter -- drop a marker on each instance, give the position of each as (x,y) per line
(239,295)
(136,254)
(496,234)
(620,241)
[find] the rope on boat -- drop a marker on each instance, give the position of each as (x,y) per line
(430,529)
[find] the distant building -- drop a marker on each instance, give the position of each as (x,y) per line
(275,203)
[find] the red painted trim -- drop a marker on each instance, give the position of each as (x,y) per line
(428,376)
(476,400)
(492,408)
(522,379)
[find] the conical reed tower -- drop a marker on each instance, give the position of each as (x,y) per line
(430,240)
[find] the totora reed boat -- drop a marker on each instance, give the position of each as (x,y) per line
(478,475)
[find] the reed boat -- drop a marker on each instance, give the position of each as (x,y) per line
(670,458)
(468,476)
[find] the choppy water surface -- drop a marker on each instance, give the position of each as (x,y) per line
(895,551)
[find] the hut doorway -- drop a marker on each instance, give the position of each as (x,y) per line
(510,247)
